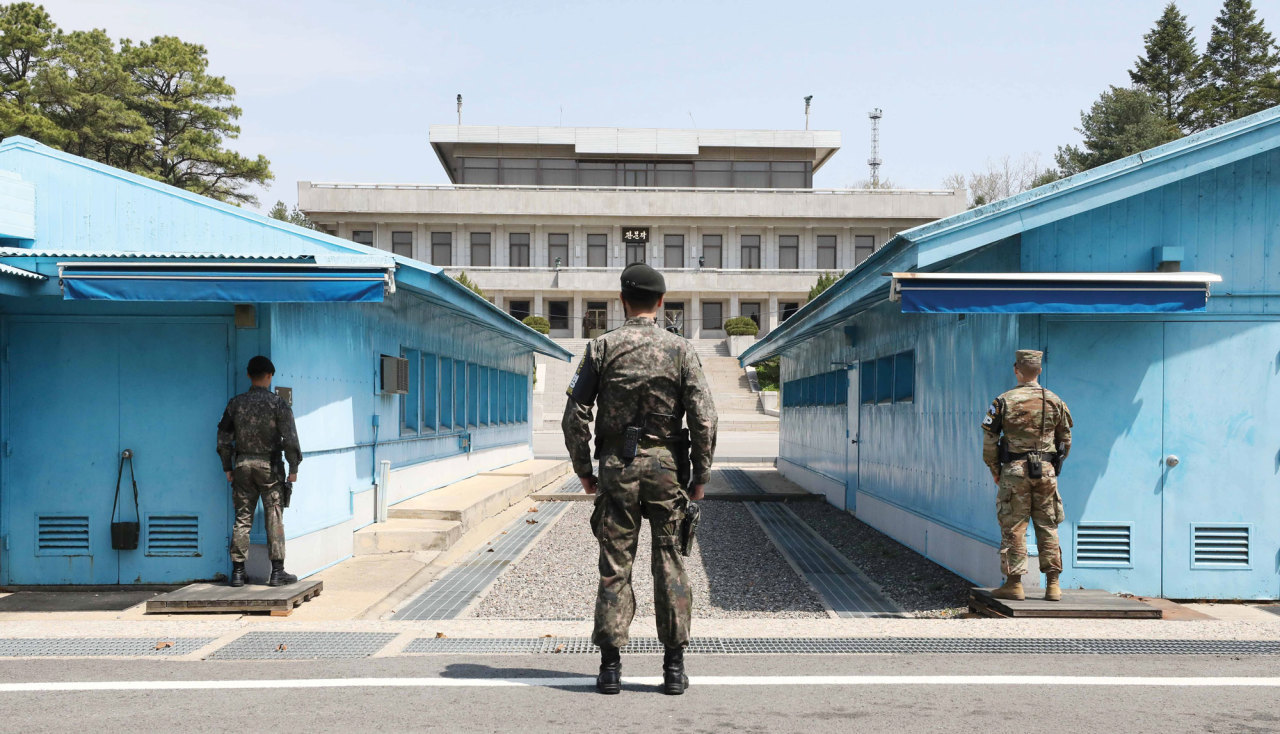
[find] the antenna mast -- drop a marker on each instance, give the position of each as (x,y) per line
(807,100)
(459,109)
(874,161)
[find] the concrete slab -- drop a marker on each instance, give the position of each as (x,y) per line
(276,600)
(401,535)
(1078,603)
(538,471)
(468,502)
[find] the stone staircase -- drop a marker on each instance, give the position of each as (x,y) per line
(436,520)
(737,406)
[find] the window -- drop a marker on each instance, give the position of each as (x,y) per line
(751,174)
(673,251)
(558,250)
(518,309)
(473,395)
(868,391)
(411,402)
(480,246)
(711,252)
(904,377)
(751,310)
(430,391)
(519,171)
(480,170)
(557,172)
(402,243)
(828,388)
(362,237)
(863,246)
(884,380)
(788,310)
(597,250)
(459,394)
(712,315)
(442,248)
(788,252)
(446,393)
(751,251)
(495,396)
(712,174)
(673,174)
(597,174)
(826,252)
(635,253)
(790,174)
(519,244)
(558,315)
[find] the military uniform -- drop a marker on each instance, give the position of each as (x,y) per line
(640,375)
(256,426)
(1033,420)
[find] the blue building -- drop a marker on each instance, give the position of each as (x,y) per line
(1153,286)
(128,310)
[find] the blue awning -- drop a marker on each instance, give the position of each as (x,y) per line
(1052,292)
(236,283)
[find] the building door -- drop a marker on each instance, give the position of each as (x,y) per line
(76,394)
(673,315)
(558,317)
(751,309)
(1222,499)
(1109,374)
(596,320)
(852,446)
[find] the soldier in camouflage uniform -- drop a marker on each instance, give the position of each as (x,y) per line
(255,428)
(1037,430)
(640,375)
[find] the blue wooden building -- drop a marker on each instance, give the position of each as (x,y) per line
(1153,286)
(128,310)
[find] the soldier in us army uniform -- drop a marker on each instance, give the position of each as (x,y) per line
(255,428)
(1025,463)
(643,380)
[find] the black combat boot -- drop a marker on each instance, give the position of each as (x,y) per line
(674,681)
(279,577)
(237,574)
(610,679)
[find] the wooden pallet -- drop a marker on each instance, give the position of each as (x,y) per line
(278,601)
(1076,603)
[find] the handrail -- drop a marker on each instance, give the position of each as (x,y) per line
(650,189)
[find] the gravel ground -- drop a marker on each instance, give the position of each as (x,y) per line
(741,576)
(919,585)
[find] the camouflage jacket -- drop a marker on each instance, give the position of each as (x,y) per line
(641,374)
(1026,408)
(258,423)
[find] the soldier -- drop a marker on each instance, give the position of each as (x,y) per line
(255,428)
(1025,464)
(643,380)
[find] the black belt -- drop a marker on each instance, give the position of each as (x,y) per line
(1044,456)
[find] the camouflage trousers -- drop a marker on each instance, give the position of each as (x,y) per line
(1021,498)
(250,480)
(628,492)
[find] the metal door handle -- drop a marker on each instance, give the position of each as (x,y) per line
(1171,461)
(853,440)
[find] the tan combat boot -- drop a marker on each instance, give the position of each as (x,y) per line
(1012,589)
(1052,592)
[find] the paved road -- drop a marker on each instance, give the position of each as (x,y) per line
(1083,703)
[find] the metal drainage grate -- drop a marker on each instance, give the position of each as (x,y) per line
(844,587)
(446,597)
(570,485)
(23,647)
(852,646)
(303,645)
(741,482)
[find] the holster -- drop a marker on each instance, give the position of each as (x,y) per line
(286,487)
(689,527)
(1002,451)
(1058,460)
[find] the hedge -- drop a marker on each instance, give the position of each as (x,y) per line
(741,326)
(538,324)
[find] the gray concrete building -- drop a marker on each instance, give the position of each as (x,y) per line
(544,219)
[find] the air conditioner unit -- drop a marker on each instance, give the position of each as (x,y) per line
(395,375)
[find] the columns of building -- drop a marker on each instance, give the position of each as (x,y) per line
(693,317)
(770,319)
(769,249)
(616,254)
(538,306)
(846,256)
(499,251)
(692,248)
(576,315)
(731,249)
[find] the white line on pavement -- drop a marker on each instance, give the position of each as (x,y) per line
(586,682)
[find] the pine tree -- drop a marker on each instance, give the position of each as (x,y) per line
(1170,66)
(1241,68)
(292,216)
(1122,122)
(27,36)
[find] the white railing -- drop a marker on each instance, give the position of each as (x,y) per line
(650,189)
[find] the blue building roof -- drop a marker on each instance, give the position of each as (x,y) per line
(936,245)
(90,211)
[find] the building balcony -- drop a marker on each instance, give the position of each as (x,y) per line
(702,281)
(328,201)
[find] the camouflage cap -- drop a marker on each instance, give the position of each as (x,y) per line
(1027,358)
(641,277)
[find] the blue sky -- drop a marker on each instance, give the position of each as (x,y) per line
(344,91)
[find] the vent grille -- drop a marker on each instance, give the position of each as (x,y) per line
(1220,545)
(173,535)
(1100,544)
(62,535)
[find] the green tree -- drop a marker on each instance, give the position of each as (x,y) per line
(292,216)
(27,35)
(81,92)
(471,284)
(825,281)
(1122,122)
(191,117)
(1241,68)
(1170,67)
(537,323)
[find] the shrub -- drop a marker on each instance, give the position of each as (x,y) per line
(741,326)
(538,324)
(767,374)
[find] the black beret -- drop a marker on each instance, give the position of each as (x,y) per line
(641,277)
